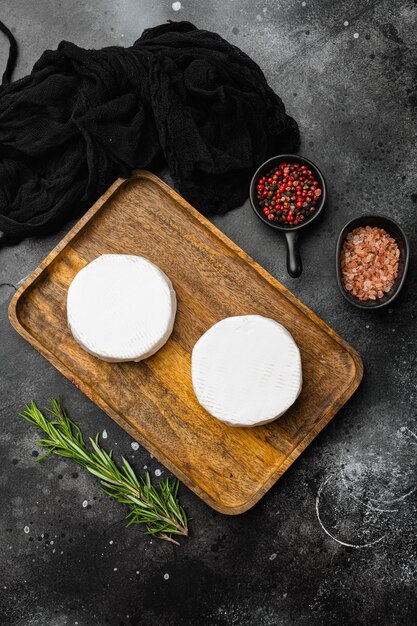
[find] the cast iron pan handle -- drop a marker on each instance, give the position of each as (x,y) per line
(294,264)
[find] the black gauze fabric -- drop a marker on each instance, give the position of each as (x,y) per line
(84,117)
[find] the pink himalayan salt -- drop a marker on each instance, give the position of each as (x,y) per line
(369,262)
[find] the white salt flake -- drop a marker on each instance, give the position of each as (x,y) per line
(303,4)
(176,6)
(135,445)
(111,542)
(272,557)
(345,23)
(26,530)
(158,472)
(85,504)
(145,467)
(355,35)
(114,569)
(137,571)
(166,576)
(104,434)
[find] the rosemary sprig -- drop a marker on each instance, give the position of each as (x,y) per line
(159,510)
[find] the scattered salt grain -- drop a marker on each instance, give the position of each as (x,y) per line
(176,6)
(273,557)
(355,35)
(26,530)
(85,504)
(166,576)
(104,434)
(135,445)
(158,472)
(345,23)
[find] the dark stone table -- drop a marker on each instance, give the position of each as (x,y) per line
(347,72)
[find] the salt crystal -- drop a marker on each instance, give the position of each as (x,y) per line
(369,262)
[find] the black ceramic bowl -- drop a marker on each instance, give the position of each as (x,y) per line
(294,265)
(393,229)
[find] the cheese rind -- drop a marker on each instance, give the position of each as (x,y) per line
(121,308)
(246,370)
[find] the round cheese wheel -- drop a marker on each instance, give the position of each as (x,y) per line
(246,370)
(121,307)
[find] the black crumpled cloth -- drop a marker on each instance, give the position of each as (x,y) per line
(84,117)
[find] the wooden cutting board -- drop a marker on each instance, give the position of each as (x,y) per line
(229,468)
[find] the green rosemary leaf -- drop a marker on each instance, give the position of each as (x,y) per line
(97,450)
(127,469)
(157,508)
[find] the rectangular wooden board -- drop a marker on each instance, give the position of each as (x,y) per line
(229,468)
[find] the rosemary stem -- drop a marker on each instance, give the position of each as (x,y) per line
(156,507)
(136,492)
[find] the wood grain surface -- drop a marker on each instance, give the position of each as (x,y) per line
(229,468)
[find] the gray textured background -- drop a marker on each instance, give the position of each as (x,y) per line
(347,72)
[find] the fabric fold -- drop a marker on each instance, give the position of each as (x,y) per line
(84,117)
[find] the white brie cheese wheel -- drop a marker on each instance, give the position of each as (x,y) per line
(246,370)
(121,308)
